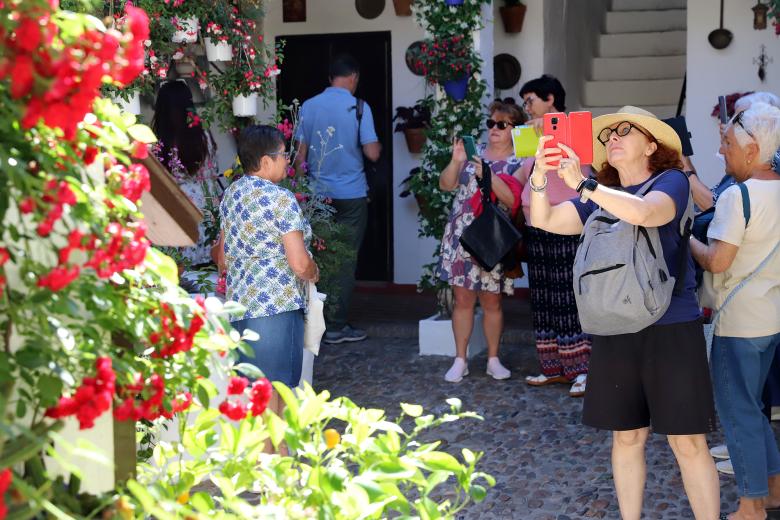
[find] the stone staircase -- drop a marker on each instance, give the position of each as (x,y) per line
(640,58)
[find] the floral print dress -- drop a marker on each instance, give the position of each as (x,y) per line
(456,266)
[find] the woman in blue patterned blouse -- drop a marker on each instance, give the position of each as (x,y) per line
(267,258)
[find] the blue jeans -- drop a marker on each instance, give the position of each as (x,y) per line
(278,353)
(740,367)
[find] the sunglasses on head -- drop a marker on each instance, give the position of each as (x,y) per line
(622,130)
(502,125)
(737,120)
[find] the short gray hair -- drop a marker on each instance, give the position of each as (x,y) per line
(762,120)
(745,102)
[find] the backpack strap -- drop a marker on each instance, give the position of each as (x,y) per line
(359,116)
(745,202)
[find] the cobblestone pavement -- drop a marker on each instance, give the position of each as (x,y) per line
(547,465)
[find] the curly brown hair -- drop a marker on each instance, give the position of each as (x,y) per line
(664,158)
(510,109)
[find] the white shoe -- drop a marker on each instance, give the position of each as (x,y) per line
(456,372)
(496,369)
(720,452)
(578,388)
(725,467)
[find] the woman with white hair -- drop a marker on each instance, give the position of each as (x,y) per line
(743,286)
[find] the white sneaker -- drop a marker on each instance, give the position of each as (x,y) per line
(725,467)
(496,369)
(720,452)
(456,372)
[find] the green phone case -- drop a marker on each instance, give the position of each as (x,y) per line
(525,140)
(471,147)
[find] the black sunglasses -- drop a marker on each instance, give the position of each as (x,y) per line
(622,130)
(737,120)
(502,125)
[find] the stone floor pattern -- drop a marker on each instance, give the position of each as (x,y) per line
(546,464)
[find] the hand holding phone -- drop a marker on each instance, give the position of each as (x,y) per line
(574,130)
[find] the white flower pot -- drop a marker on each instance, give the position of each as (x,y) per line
(221,51)
(245,106)
(436,337)
(189,32)
(132,106)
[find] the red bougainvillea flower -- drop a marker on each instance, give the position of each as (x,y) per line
(237,385)
(145,400)
(174,337)
(140,150)
(27,205)
(260,395)
(59,277)
(91,399)
(6,477)
(233,410)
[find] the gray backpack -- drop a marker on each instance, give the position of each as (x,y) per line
(621,281)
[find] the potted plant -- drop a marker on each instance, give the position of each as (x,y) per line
(413,121)
(453,2)
(403,7)
(448,61)
(513,14)
(184,15)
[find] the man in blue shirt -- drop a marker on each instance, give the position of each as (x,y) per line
(333,143)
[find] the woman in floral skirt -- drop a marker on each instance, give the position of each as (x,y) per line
(468,279)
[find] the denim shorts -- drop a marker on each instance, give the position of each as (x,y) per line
(278,353)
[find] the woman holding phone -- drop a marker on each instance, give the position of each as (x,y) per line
(468,279)
(562,347)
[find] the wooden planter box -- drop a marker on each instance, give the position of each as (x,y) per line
(513,16)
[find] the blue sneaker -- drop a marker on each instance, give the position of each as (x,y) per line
(345,335)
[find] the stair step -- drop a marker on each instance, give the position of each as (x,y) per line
(669,43)
(662,111)
(638,67)
(647,5)
(638,93)
(646,21)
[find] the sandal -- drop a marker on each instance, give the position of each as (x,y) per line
(578,388)
(542,380)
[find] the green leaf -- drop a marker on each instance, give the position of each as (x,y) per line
(276,427)
(30,358)
(249,370)
(412,410)
(142,133)
(438,460)
(162,265)
(202,502)
(478,493)
(50,388)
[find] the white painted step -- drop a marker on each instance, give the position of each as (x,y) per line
(638,67)
(642,44)
(638,93)
(646,21)
(646,5)
(662,111)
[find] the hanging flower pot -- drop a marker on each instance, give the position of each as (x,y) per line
(513,16)
(403,7)
(188,30)
(453,2)
(220,51)
(131,106)
(245,106)
(415,139)
(456,88)
(184,67)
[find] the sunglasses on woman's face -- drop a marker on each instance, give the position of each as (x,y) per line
(502,125)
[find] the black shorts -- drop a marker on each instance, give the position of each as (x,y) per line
(658,376)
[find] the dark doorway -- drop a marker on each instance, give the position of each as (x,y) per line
(305,74)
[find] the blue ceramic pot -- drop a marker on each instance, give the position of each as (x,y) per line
(456,88)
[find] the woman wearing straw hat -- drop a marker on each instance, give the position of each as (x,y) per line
(657,376)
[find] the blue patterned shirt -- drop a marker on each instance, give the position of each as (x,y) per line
(255,214)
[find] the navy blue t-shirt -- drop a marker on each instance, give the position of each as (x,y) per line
(684,307)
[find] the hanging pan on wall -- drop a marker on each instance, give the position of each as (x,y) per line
(720,38)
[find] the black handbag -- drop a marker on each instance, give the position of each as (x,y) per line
(491,236)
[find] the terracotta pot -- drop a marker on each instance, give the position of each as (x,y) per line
(403,7)
(513,16)
(415,139)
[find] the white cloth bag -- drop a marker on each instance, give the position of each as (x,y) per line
(314,321)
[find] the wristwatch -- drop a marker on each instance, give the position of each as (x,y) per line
(586,187)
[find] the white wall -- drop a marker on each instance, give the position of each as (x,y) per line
(712,73)
(340,16)
(527,46)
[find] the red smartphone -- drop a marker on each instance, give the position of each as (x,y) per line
(556,124)
(581,135)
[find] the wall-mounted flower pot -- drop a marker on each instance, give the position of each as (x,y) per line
(453,2)
(220,51)
(513,16)
(132,105)
(188,32)
(457,88)
(245,106)
(415,139)
(403,7)
(184,67)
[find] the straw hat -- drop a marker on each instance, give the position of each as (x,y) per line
(662,132)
